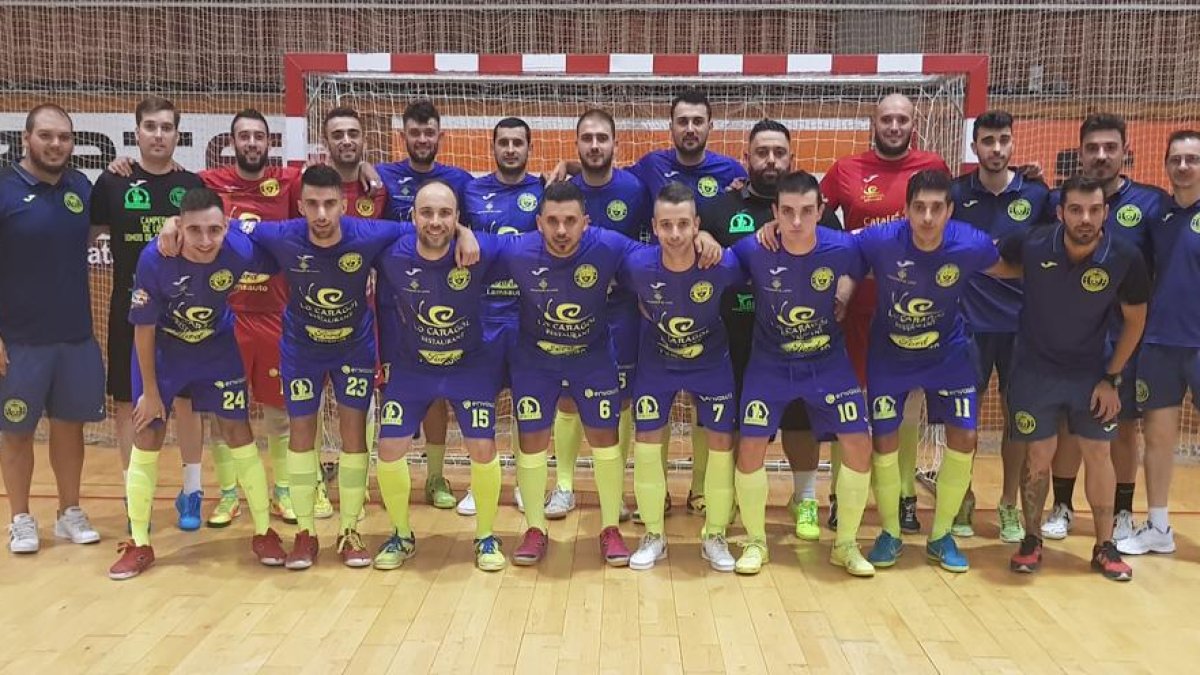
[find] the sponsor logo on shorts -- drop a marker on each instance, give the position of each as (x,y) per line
(1026,424)
(821,279)
(707,186)
(616,210)
(528,409)
(701,292)
(300,389)
(1141,391)
(600,393)
(15,410)
(527,201)
(1094,280)
(883,408)
(647,408)
(269,188)
(586,276)
(757,414)
(392,414)
(1020,210)
(458,278)
(1129,216)
(350,263)
(73,203)
(1109,428)
(221,280)
(364,206)
(947,275)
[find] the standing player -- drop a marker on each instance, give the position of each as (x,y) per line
(682,347)
(1169,364)
(922,264)
(870,189)
(503,202)
(131,209)
(1075,274)
(1132,208)
(49,360)
(729,218)
(422,137)
(998,201)
(799,353)
(441,354)
(185,345)
(615,200)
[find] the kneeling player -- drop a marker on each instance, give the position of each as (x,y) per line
(683,347)
(185,345)
(440,354)
(799,353)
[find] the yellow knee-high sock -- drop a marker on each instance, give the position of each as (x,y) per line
(568,432)
(252,476)
(277,447)
(885,477)
(835,464)
(610,483)
(435,457)
(699,458)
(223,464)
(625,434)
(718,492)
(954,477)
(303,468)
(396,484)
(852,491)
(531,479)
(372,419)
(485,485)
(910,440)
(139,492)
(352,486)
(752,489)
(649,485)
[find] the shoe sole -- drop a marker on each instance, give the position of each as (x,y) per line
(526,561)
(22,551)
(715,565)
(216,524)
(357,564)
(747,573)
(1021,568)
(557,515)
(1055,536)
(814,537)
(1011,540)
(949,568)
(616,562)
(1115,577)
(860,574)
(491,567)
(298,566)
(432,502)
(272,562)
(645,566)
(77,541)
(464,513)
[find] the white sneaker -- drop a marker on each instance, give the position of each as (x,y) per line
(73,524)
(715,550)
(1148,539)
(1059,524)
(466,505)
(652,549)
(517,499)
(559,503)
(1123,526)
(23,534)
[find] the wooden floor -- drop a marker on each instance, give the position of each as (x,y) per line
(207,607)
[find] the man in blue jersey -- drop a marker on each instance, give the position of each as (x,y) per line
(562,273)
(1065,368)
(183,334)
(615,200)
(49,360)
(423,134)
(441,353)
(799,352)
(998,201)
(1169,364)
(682,347)
(1132,209)
(503,202)
(922,264)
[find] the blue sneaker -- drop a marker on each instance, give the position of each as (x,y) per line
(885,551)
(945,553)
(188,506)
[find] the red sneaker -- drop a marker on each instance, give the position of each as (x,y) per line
(532,549)
(1028,558)
(1107,561)
(612,547)
(350,547)
(304,551)
(133,561)
(268,548)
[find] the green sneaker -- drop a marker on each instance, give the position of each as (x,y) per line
(438,493)
(281,505)
(808,527)
(488,556)
(1011,529)
(228,508)
(322,508)
(962,522)
(395,551)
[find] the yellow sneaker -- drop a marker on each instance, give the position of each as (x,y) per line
(321,507)
(488,556)
(849,557)
(281,506)
(808,527)
(227,508)
(754,556)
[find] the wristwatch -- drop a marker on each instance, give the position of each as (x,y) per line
(1114,379)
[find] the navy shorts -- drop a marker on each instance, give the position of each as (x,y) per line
(1165,374)
(948,380)
(623,327)
(590,379)
(350,368)
(1038,400)
(502,334)
(1128,391)
(740,328)
(120,347)
(993,352)
(711,389)
(211,375)
(63,380)
(828,387)
(470,389)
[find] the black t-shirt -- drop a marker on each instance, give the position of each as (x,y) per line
(135,209)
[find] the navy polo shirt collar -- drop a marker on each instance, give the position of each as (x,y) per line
(1014,185)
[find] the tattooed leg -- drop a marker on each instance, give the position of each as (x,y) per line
(1100,486)
(1035,483)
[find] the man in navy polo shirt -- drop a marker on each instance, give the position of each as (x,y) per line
(998,201)
(49,360)
(1132,207)
(1076,275)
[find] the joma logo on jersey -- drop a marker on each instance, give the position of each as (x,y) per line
(707,186)
(821,279)
(616,210)
(1094,280)
(1020,210)
(701,292)
(1129,216)
(350,263)
(586,276)
(269,188)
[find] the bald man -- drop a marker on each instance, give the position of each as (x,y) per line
(870,189)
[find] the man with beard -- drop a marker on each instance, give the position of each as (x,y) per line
(615,200)
(998,201)
(422,135)
(49,360)
(131,209)
(1133,208)
(870,189)
(729,218)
